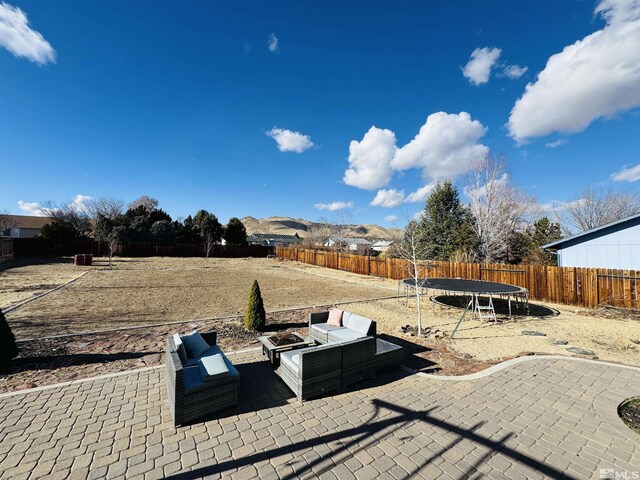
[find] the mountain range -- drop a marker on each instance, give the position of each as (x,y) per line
(291,226)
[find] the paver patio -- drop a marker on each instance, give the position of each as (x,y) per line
(539,418)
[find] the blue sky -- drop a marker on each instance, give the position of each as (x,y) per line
(186,102)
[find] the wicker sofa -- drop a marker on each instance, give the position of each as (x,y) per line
(191,398)
(353,327)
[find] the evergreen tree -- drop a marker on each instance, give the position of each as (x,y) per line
(235,233)
(446,224)
(542,231)
(255,316)
(8,348)
(206,224)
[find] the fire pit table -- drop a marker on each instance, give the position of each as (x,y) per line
(273,345)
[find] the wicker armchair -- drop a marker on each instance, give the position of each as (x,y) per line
(309,372)
(189,397)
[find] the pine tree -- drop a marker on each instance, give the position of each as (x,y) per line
(255,317)
(8,349)
(446,224)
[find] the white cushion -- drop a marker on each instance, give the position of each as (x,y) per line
(346,316)
(182,353)
(344,335)
(213,367)
(194,344)
(359,323)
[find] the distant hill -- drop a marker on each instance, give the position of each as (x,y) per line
(291,226)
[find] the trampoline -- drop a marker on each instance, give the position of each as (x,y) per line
(470,288)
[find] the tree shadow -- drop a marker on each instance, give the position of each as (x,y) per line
(53,362)
(374,429)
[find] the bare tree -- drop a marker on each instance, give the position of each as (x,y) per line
(208,242)
(6,221)
(78,215)
(148,203)
(318,233)
(340,229)
(594,207)
(113,240)
(411,248)
(111,208)
(499,209)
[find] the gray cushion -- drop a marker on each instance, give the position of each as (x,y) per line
(344,335)
(193,382)
(194,344)
(213,350)
(324,328)
(182,353)
(346,316)
(359,324)
(212,367)
(292,357)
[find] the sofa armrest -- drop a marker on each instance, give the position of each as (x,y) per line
(372,329)
(210,337)
(319,317)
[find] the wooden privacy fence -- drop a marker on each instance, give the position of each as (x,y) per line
(33,247)
(586,287)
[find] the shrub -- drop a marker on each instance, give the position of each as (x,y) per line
(8,349)
(255,317)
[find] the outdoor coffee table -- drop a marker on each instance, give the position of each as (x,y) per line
(273,345)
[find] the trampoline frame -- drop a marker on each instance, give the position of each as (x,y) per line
(520,294)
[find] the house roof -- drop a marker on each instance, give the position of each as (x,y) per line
(595,232)
(27,221)
(383,243)
(274,236)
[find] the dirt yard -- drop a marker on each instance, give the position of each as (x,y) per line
(157,290)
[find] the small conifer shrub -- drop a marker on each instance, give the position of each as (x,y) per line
(8,348)
(255,317)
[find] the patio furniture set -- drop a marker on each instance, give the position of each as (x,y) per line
(341,350)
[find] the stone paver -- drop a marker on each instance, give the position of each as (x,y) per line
(541,418)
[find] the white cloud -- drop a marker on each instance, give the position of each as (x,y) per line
(514,71)
(421,194)
(596,77)
(370,159)
(478,69)
(390,218)
(480,192)
(273,43)
(79,203)
(289,141)
(17,37)
(388,198)
(556,143)
(31,208)
(627,174)
(333,206)
(444,147)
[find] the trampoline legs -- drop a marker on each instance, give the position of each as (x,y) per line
(462,317)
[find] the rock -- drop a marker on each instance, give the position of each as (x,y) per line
(25,386)
(560,342)
(532,333)
(581,351)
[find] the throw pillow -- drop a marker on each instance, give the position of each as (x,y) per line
(212,367)
(194,344)
(182,353)
(335,317)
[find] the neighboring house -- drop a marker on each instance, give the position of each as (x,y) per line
(382,245)
(359,245)
(615,245)
(23,226)
(273,239)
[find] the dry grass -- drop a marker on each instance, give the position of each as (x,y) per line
(157,290)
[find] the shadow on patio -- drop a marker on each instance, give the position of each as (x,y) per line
(378,427)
